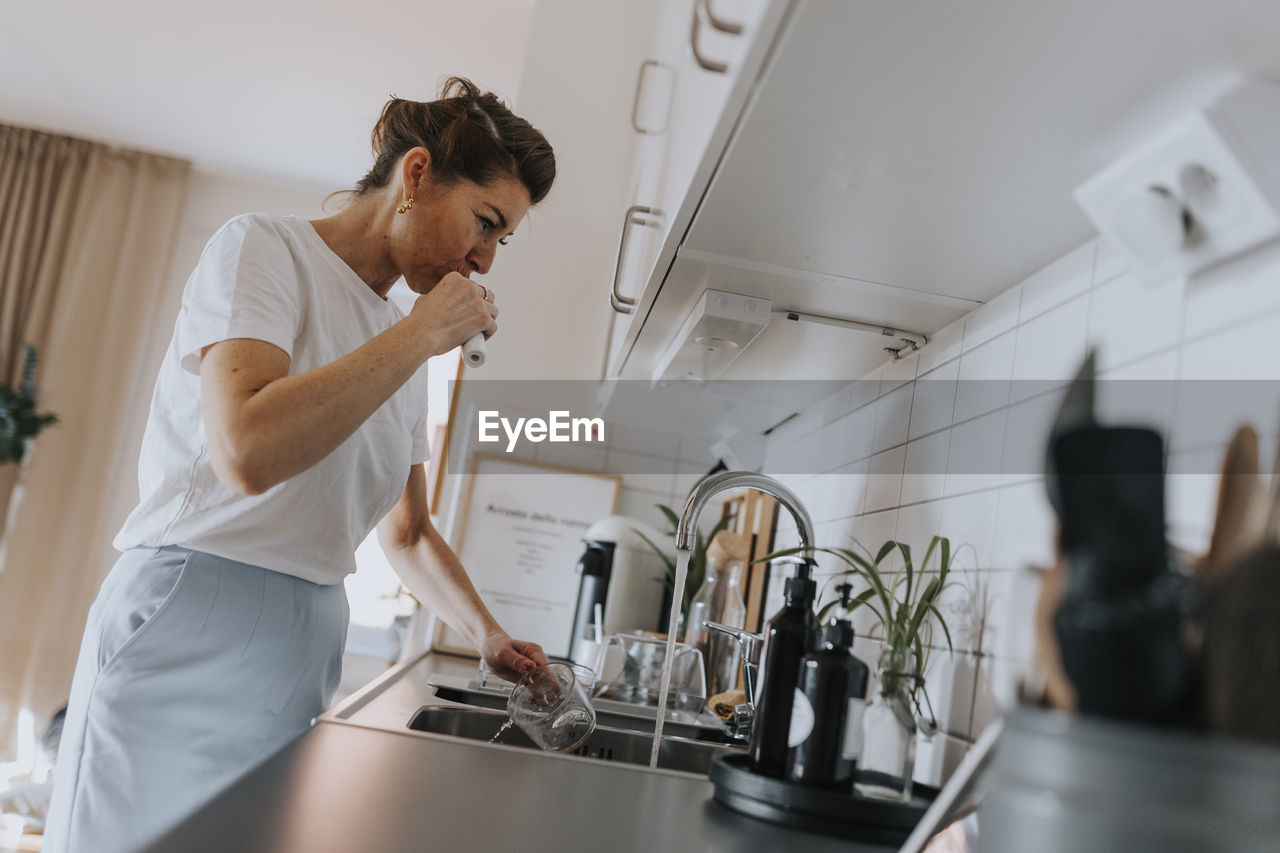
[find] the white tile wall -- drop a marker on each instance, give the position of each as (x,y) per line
(995,318)
(893,415)
(1134,319)
(976,454)
(1051,346)
(934,402)
(1064,279)
(952,441)
(925,470)
(884,482)
(944,346)
(965,458)
(984,375)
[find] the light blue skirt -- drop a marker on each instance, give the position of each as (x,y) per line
(193,670)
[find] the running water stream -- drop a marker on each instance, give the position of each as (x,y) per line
(673,625)
(508,724)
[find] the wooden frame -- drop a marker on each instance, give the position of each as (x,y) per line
(534,517)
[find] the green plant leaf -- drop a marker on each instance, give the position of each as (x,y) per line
(906,562)
(854,603)
(783,552)
(933,546)
(672,518)
(860,599)
(853,558)
(943,624)
(671,566)
(871,573)
(944,557)
(885,550)
(924,605)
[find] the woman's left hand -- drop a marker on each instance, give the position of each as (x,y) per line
(511,659)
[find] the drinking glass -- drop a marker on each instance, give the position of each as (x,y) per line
(634,673)
(552,705)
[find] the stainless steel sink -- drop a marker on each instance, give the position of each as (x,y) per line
(605,744)
(610,713)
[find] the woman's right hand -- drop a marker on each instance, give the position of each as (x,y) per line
(454,310)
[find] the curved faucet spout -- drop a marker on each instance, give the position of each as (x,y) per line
(713,485)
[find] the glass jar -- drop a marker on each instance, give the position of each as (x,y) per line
(889,729)
(701,609)
(725,661)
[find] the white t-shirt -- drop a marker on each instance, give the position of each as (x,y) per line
(273,279)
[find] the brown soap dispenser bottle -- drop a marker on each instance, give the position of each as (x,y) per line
(789,635)
(831,695)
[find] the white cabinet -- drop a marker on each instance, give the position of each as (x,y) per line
(901,163)
(682,97)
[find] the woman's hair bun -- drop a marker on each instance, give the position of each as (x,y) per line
(472,135)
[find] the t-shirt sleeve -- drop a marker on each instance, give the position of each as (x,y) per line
(244,286)
(420,448)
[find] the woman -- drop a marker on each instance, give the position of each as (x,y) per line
(288,419)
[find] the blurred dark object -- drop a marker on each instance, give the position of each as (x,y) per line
(1075,412)
(1241,647)
(1054,689)
(1120,621)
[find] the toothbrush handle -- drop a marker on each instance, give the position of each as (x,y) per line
(473,350)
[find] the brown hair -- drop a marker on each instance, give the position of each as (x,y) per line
(471,135)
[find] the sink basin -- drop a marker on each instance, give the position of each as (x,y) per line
(609,713)
(604,744)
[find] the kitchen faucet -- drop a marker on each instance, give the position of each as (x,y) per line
(748,643)
(726,480)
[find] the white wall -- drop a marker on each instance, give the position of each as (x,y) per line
(213,198)
(901,451)
(552,281)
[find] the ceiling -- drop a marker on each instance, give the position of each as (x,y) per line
(281,89)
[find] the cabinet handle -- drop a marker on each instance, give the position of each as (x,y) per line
(720,23)
(637,214)
(711,65)
(635,106)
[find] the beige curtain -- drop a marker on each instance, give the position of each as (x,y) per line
(86,233)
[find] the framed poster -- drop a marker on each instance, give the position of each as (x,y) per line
(520,538)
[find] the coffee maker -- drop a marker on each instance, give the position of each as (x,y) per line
(621,573)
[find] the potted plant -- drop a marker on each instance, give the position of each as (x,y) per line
(905,604)
(19,420)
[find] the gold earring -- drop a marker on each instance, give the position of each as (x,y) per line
(406,207)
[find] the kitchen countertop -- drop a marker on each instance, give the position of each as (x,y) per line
(360,780)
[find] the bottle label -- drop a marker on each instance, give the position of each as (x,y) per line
(851,747)
(802,718)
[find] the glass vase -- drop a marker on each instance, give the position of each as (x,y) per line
(889,730)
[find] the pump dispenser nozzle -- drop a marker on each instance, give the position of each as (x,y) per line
(839,631)
(845,593)
(800,587)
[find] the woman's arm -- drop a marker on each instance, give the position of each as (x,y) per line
(432,573)
(264,426)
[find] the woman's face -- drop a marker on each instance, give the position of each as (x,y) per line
(455,228)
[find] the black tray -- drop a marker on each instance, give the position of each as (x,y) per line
(839,813)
